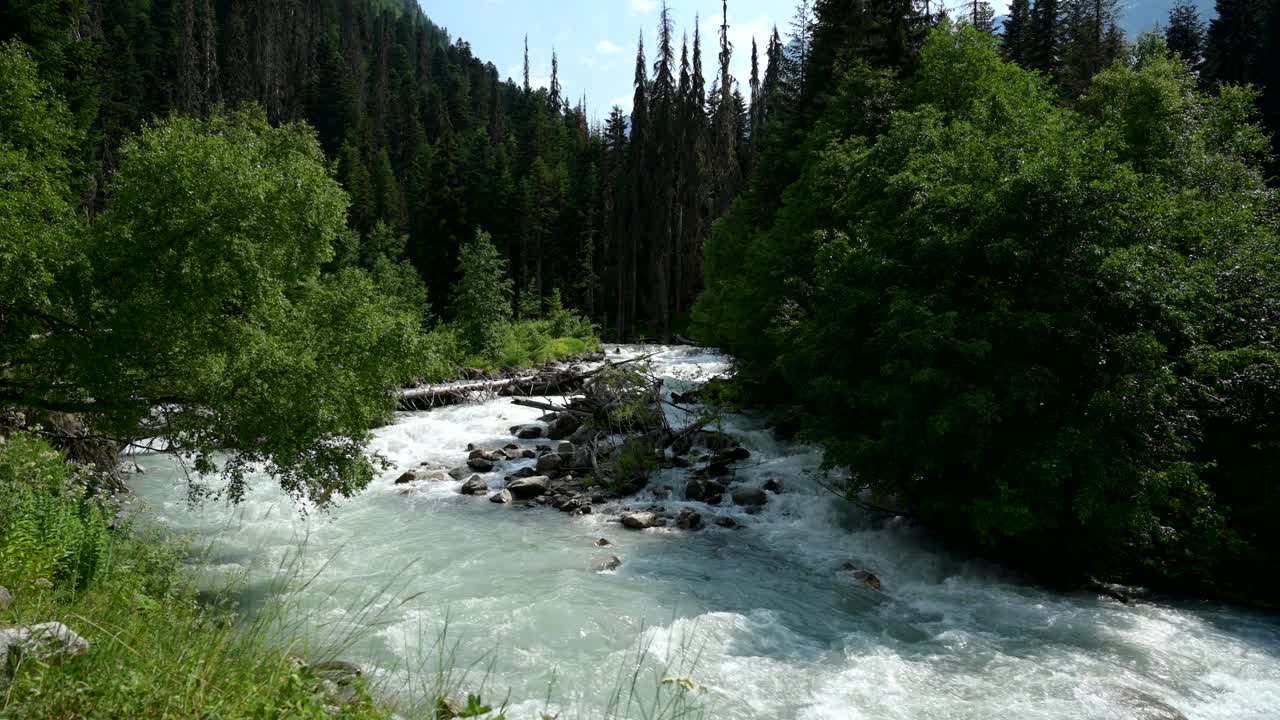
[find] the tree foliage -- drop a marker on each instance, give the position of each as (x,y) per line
(996,309)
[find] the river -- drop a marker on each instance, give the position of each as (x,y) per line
(759,617)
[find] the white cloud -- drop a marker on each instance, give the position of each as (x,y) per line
(643,6)
(607,48)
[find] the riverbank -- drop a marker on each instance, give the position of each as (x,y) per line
(98,621)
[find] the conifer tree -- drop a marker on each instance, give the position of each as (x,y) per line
(1185,34)
(1017,26)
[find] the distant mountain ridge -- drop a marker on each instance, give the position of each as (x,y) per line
(1140,16)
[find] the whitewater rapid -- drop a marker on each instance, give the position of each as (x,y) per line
(759,617)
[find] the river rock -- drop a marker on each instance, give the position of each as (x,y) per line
(641,520)
(549,463)
(866,577)
(773,485)
(131,468)
(530,487)
(502,497)
(613,563)
(6,599)
(703,490)
(602,542)
(49,643)
(681,462)
(337,681)
(689,520)
(524,472)
(563,426)
(527,432)
(581,436)
(731,455)
(750,497)
(727,522)
(475,485)
(513,454)
(459,473)
(1146,706)
(406,478)
(480,464)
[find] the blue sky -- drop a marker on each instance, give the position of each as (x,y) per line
(596,39)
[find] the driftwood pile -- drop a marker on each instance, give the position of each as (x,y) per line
(478,387)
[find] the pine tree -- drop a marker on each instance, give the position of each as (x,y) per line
(1185,34)
(1232,43)
(1042,39)
(1017,25)
(981,16)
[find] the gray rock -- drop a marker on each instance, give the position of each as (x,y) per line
(581,436)
(703,490)
(529,488)
(598,498)
(609,565)
(480,464)
(689,520)
(731,455)
(513,454)
(337,680)
(49,643)
(602,542)
(727,522)
(527,432)
(774,485)
(750,497)
(1146,706)
(501,497)
(565,450)
(409,477)
(563,426)
(524,472)
(549,463)
(581,459)
(641,520)
(529,454)
(475,485)
(459,473)
(6,599)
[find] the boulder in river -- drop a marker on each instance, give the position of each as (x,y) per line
(475,485)
(501,497)
(641,520)
(689,520)
(563,426)
(1146,706)
(602,542)
(727,522)
(406,478)
(527,432)
(704,490)
(750,497)
(459,473)
(549,463)
(773,485)
(731,455)
(524,472)
(480,464)
(530,487)
(866,577)
(609,565)
(516,454)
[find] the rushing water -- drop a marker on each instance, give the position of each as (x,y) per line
(773,629)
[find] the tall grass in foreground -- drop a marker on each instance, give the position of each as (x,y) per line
(162,648)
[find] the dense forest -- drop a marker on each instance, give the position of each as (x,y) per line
(1026,287)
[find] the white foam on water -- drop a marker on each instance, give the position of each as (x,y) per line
(776,629)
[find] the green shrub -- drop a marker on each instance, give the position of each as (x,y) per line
(50,527)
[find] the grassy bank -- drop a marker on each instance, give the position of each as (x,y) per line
(520,344)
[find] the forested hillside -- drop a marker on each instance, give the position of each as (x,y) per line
(428,140)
